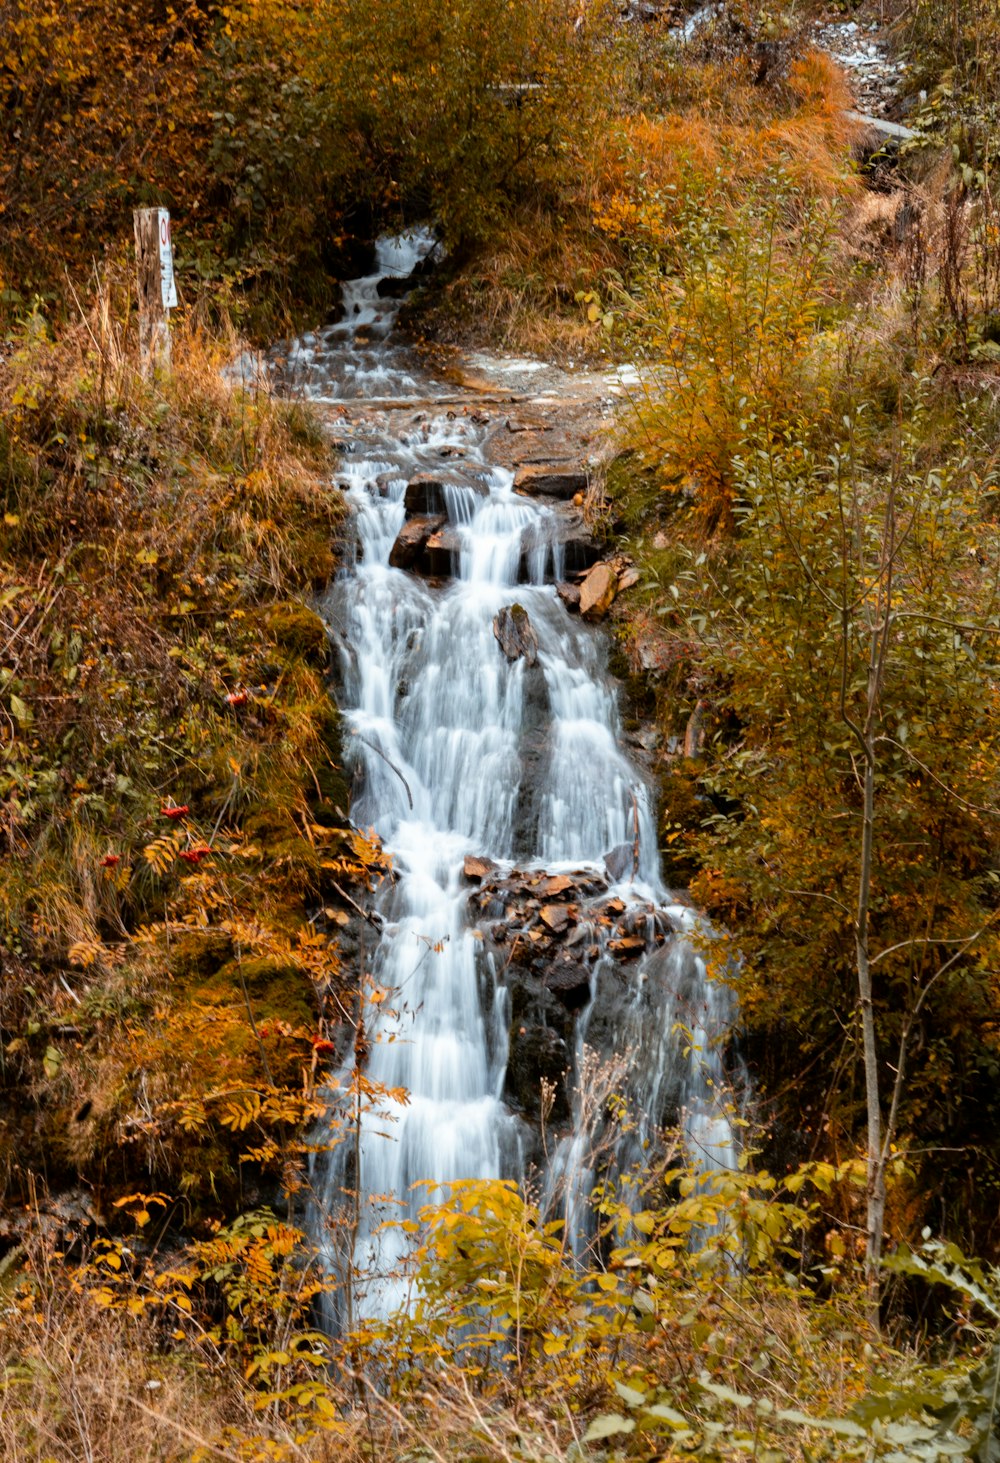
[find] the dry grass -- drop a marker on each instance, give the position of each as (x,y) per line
(158,542)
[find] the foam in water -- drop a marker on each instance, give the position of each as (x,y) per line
(441,721)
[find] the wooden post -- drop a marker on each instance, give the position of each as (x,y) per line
(154,271)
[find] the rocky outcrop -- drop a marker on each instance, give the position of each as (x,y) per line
(554,939)
(515,634)
(428,544)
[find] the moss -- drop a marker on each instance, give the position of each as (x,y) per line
(199,953)
(276,990)
(333,791)
(633,488)
(681,812)
(299,632)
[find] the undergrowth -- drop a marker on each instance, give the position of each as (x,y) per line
(655,1344)
(173,816)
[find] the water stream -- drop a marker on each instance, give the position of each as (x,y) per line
(458,751)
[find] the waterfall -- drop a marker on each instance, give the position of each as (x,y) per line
(458,752)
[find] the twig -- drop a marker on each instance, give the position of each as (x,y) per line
(379,753)
(372,918)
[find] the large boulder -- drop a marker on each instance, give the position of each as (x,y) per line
(515,634)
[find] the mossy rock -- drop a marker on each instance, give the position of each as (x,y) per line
(298,631)
(198,953)
(334,788)
(276,990)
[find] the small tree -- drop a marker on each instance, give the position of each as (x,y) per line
(845,634)
(853,634)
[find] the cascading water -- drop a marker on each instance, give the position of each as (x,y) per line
(445,728)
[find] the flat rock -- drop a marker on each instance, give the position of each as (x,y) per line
(515,634)
(555,917)
(597,592)
(629,947)
(556,884)
(414,537)
(550,480)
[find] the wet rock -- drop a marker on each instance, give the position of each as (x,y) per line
(597,592)
(569,981)
(645,739)
(393,287)
(620,862)
(515,634)
(537,480)
(442,548)
(424,496)
(412,544)
(570,596)
(537,1052)
(398,286)
(478,869)
(576,546)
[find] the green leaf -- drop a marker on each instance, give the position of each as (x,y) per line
(608,1425)
(840,1425)
(666,1414)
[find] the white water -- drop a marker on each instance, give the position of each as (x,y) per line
(442,727)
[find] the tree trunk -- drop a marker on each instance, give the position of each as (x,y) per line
(875,1190)
(154,332)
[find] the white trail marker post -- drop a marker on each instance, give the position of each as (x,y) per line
(157,289)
